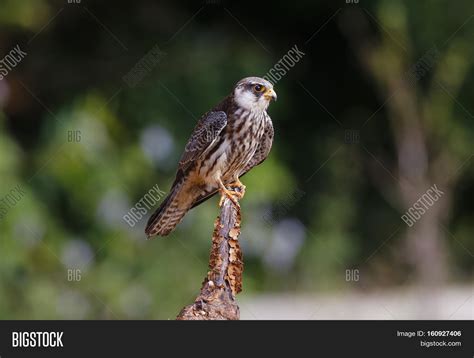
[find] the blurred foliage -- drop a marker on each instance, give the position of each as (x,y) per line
(131,139)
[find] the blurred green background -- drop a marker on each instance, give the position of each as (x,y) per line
(377,111)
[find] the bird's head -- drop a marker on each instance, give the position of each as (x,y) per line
(254,93)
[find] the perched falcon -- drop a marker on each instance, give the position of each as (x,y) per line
(226,143)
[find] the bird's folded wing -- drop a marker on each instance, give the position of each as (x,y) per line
(205,135)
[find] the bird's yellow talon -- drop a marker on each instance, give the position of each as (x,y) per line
(231,194)
(241,188)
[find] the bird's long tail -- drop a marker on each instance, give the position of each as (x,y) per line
(171,211)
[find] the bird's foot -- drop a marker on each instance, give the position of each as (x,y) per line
(235,194)
(240,192)
(228,194)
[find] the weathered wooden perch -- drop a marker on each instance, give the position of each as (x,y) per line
(224,279)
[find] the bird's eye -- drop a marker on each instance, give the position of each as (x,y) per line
(258,88)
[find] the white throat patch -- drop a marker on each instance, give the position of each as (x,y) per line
(247,100)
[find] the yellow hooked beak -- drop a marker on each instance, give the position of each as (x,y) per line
(270,95)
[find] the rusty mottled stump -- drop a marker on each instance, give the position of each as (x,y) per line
(224,279)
